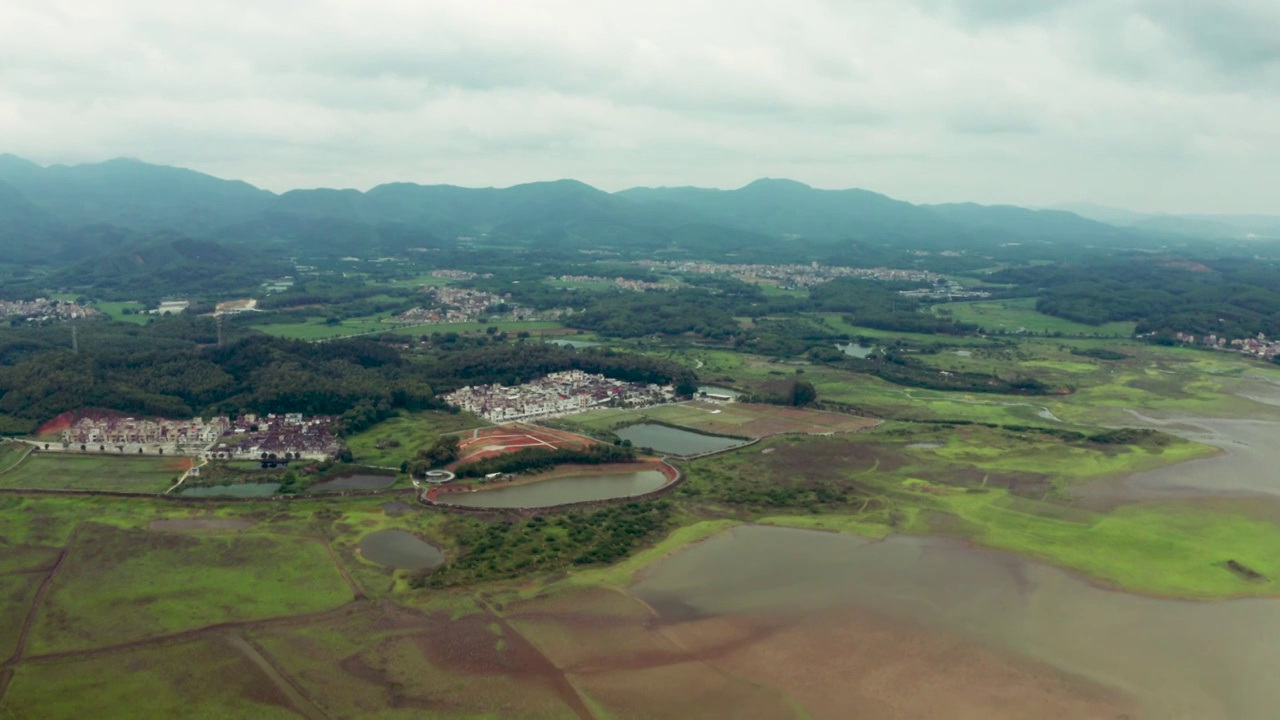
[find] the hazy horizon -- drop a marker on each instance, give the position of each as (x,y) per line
(1148,105)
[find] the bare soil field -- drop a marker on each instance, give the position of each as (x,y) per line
(398,662)
(492,441)
(846,663)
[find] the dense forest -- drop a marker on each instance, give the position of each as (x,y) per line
(173,368)
(1232,297)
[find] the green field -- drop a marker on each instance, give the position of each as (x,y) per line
(150,682)
(56,471)
(120,585)
(403,436)
(1020,316)
(116,311)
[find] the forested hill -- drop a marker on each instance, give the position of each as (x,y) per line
(44,211)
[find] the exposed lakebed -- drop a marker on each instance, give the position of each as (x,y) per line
(674,441)
(562,490)
(1179,659)
(401,550)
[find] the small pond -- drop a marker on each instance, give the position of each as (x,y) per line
(401,550)
(354,482)
(856,350)
(673,441)
(562,491)
(244,490)
(717,390)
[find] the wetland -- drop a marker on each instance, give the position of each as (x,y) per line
(1172,658)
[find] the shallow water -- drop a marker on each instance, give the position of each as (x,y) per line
(673,441)
(717,390)
(856,350)
(240,491)
(1201,660)
(400,550)
(1250,462)
(354,482)
(562,491)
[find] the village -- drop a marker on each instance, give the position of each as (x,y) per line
(454,305)
(559,393)
(791,276)
(1259,347)
(619,282)
(286,436)
(44,310)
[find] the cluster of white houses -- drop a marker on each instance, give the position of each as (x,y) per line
(129,431)
(556,394)
(285,436)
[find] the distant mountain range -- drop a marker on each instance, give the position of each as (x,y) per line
(60,214)
(1233,227)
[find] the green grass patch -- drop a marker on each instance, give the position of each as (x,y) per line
(1167,549)
(116,311)
(1020,317)
(117,585)
(399,439)
(56,471)
(200,679)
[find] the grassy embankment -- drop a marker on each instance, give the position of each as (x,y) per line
(399,439)
(55,471)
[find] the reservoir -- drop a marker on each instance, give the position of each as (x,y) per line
(401,550)
(1175,659)
(243,490)
(673,441)
(562,491)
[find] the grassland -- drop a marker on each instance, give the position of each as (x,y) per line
(119,585)
(200,679)
(116,311)
(1020,317)
(54,471)
(399,439)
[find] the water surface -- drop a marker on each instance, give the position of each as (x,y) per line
(400,550)
(673,441)
(243,490)
(717,390)
(562,491)
(856,349)
(354,482)
(1250,462)
(1193,660)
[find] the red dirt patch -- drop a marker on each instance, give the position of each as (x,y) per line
(492,441)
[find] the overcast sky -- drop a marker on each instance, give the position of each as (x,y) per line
(1149,104)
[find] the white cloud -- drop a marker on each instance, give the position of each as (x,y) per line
(1154,104)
